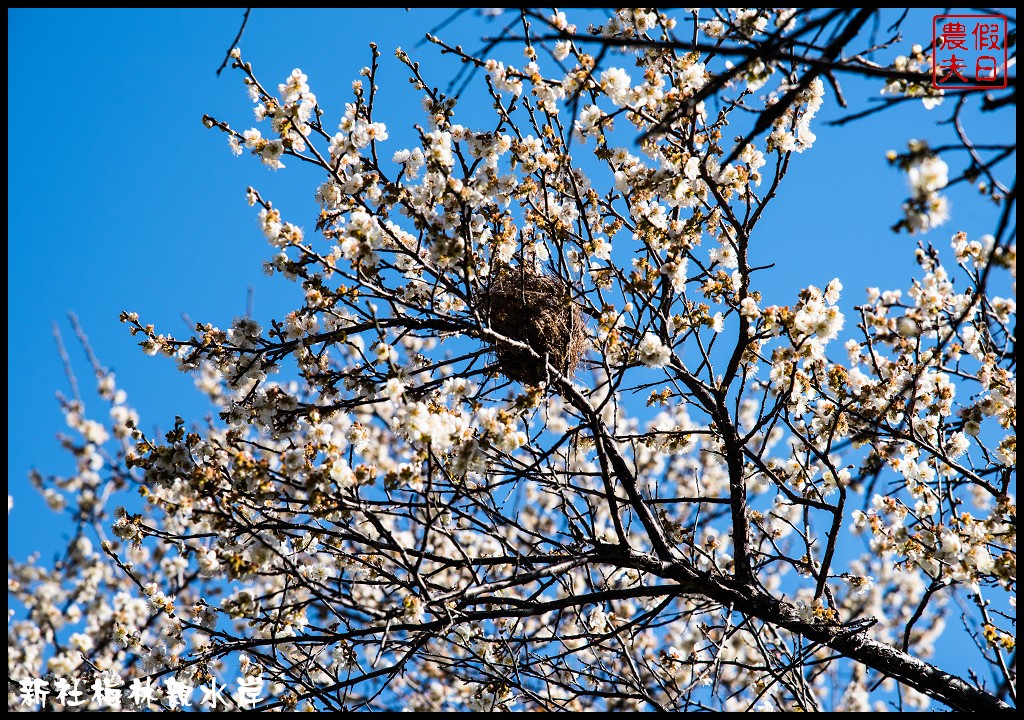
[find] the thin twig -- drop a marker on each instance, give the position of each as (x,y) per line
(234,43)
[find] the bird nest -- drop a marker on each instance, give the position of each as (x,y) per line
(538,311)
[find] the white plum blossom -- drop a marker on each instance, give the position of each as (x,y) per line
(652,352)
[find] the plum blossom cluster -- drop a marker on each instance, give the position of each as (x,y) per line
(792,131)
(918,61)
(927,173)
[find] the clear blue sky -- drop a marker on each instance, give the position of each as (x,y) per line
(119,199)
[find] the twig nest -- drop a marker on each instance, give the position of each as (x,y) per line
(537,310)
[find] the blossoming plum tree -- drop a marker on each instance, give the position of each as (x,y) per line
(532,439)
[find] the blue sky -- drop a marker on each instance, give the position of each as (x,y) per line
(120,199)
